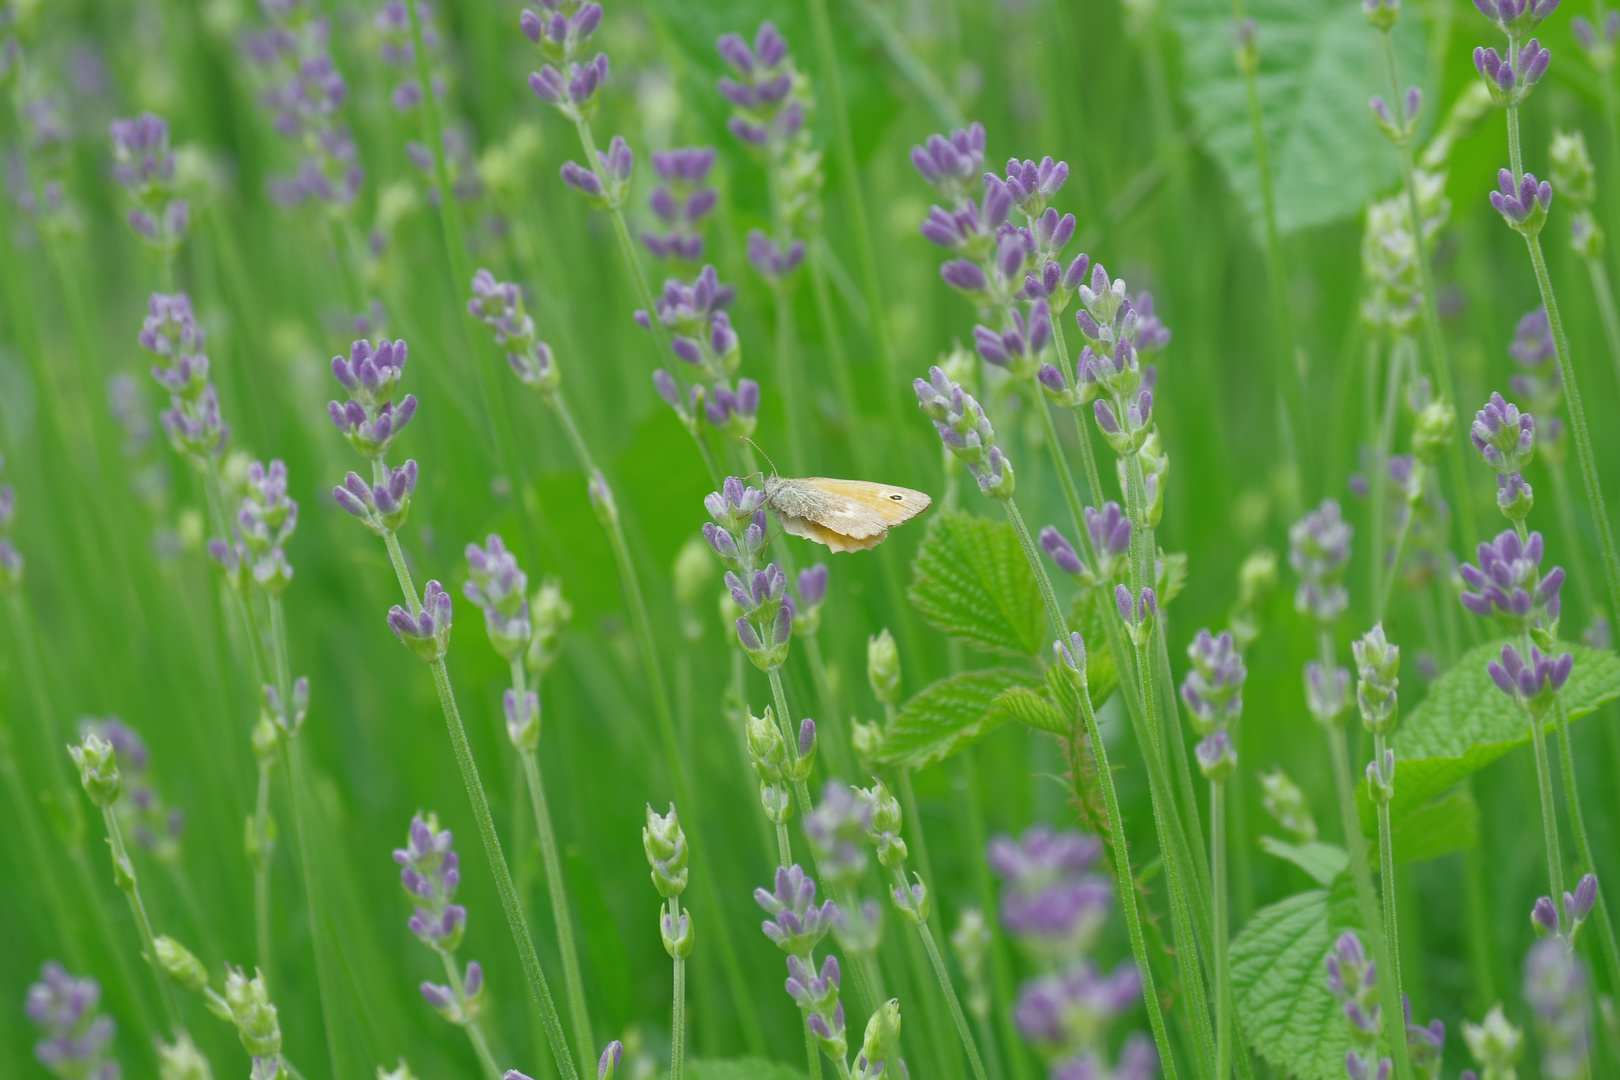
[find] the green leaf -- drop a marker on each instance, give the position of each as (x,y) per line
(1319,63)
(952,713)
(1435,829)
(1033,708)
(1466,723)
(1279,983)
(971,580)
(1174,578)
(1322,861)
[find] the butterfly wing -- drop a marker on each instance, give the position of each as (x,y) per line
(846,515)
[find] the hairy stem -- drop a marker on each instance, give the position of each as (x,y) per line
(473,1027)
(124,875)
(1218,915)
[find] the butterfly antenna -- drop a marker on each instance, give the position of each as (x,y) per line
(767,457)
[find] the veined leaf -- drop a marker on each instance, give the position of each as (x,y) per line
(1279,983)
(1033,708)
(971,580)
(1319,63)
(952,713)
(1466,723)
(1322,861)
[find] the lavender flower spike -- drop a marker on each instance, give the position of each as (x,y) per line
(76,1037)
(797,923)
(426,632)
(1534,683)
(1523,205)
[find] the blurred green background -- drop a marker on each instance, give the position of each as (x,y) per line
(1145,104)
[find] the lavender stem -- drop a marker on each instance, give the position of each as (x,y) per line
(677,1027)
(474,1026)
(1604,295)
(1218,916)
(293,764)
(124,877)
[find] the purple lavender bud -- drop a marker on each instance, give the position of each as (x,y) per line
(1060,551)
(963,275)
(608,1063)
(813,585)
(1524,205)
(807,737)
(1052,380)
(1110,531)
(1533,61)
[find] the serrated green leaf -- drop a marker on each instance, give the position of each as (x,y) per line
(1322,861)
(1279,982)
(1435,829)
(1319,63)
(1033,708)
(947,715)
(1466,723)
(1174,577)
(971,580)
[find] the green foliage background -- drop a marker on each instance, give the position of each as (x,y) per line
(1152,124)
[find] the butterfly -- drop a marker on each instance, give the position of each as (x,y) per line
(846,515)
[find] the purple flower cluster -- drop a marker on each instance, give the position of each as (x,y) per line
(1051,902)
(1507,584)
(500,589)
(426,631)
(1533,682)
(737,536)
(965,431)
(562,31)
(1504,436)
(1213,693)
(1319,552)
(370,419)
(1065,1014)
(499,305)
(144,165)
(1556,990)
(264,524)
(1577,906)
(171,333)
(1352,978)
(430,871)
(305,93)
(1511,78)
(703,338)
(76,1036)
(797,923)
(763,88)
(393,24)
(681,201)
(1533,350)
(1523,203)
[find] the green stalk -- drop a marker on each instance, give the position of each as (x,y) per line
(124,876)
(293,764)
(1360,872)
(510,903)
(1218,916)
(607,511)
(557,889)
(262,949)
(1395,560)
(1577,411)
(1386,868)
(1088,456)
(677,1027)
(43,868)
(944,977)
(1054,611)
(1285,349)
(859,224)
(1583,846)
(1604,295)
(1127,884)
(1378,482)
(474,1029)
(1432,333)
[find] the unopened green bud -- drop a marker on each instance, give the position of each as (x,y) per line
(182,968)
(880,1050)
(883,667)
(97,763)
(1378,665)
(1573,176)
(251,1011)
(182,1061)
(766,749)
(402,1071)
(549,613)
(676,932)
(971,939)
(1496,1044)
(1585,236)
(1284,801)
(667,854)
(1381,14)
(694,571)
(867,741)
(1432,432)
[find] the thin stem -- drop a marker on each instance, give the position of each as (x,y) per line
(1054,611)
(1378,482)
(1360,872)
(837,744)
(944,977)
(1583,847)
(516,923)
(1088,457)
(1071,494)
(838,356)
(556,890)
(474,1029)
(1386,868)
(29,659)
(1218,915)
(677,1027)
(1606,310)
(1395,560)
(264,952)
(124,875)
(293,763)
(1432,334)
(1127,883)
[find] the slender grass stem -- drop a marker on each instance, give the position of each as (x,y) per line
(1433,336)
(1218,916)
(944,977)
(1054,611)
(556,889)
(1401,535)
(1604,294)
(1378,482)
(124,875)
(1088,455)
(838,357)
(43,867)
(1071,493)
(292,761)
(1361,873)
(1386,868)
(1120,846)
(516,923)
(1583,846)
(263,950)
